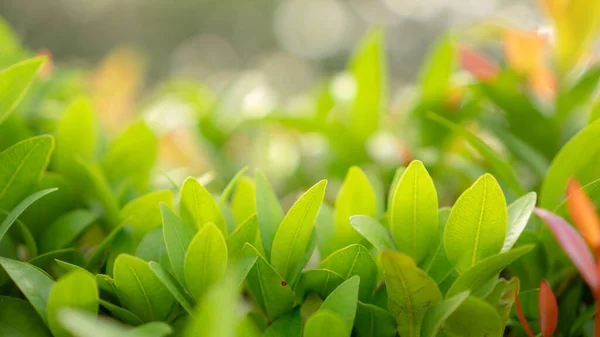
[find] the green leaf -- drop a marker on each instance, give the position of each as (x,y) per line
(439,313)
(19,209)
(198,208)
(22,168)
(243,203)
(121,313)
(518,216)
(500,167)
(343,301)
(368,67)
(144,213)
(480,274)
(294,233)
(205,261)
(15,82)
(215,314)
(414,213)
(477,224)
(242,267)
(231,185)
(83,324)
(99,255)
(350,261)
(19,319)
(33,283)
(475,317)
(140,290)
(372,321)
(177,238)
(437,69)
(325,324)
(67,254)
(356,196)
(436,264)
(502,298)
(77,290)
(410,292)
(98,191)
(172,285)
(568,163)
(131,155)
(373,231)
(289,325)
(247,232)
(325,229)
(268,210)
(75,136)
(106,286)
(66,229)
(268,289)
(152,248)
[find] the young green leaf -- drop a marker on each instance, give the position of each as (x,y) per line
(373,231)
(14,83)
(437,69)
(437,315)
(172,285)
(33,283)
(67,254)
(477,224)
(106,286)
(75,136)
(268,289)
(231,185)
(325,324)
(19,209)
(343,301)
(372,321)
(356,196)
(350,261)
(144,213)
(241,268)
(177,238)
(247,232)
(205,261)
(480,274)
(325,229)
(289,325)
(414,213)
(22,168)
(368,67)
(317,281)
(140,290)
(518,215)
(410,292)
(294,233)
(568,163)
(152,248)
(502,298)
(268,210)
(131,155)
(243,203)
(99,255)
(77,290)
(19,319)
(122,314)
(475,317)
(197,207)
(66,229)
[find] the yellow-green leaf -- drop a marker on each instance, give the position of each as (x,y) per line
(198,208)
(14,83)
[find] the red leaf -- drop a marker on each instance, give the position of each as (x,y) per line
(583,212)
(482,67)
(521,316)
(574,245)
(548,310)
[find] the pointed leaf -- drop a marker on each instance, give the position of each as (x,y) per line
(373,231)
(247,232)
(15,82)
(205,261)
(268,210)
(477,224)
(294,233)
(177,238)
(518,216)
(144,213)
(171,284)
(548,310)
(574,245)
(231,185)
(243,203)
(325,324)
(121,313)
(66,229)
(198,208)
(436,264)
(343,301)
(19,209)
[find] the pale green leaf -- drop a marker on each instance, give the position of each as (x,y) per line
(325,324)
(144,213)
(518,216)
(437,315)
(177,238)
(15,82)
(373,231)
(243,203)
(198,208)
(344,300)
(268,210)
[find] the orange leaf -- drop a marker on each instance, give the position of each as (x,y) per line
(548,310)
(583,212)
(482,67)
(521,316)
(574,246)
